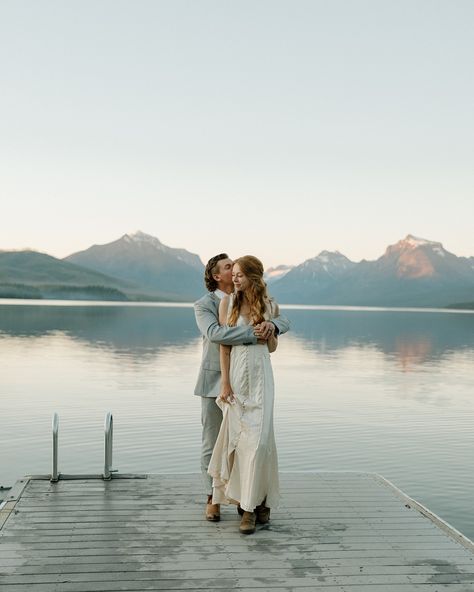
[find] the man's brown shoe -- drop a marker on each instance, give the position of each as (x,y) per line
(263,514)
(213,511)
(247,524)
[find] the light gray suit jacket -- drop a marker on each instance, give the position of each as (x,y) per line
(206,311)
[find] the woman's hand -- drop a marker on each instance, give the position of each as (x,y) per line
(272,343)
(226,395)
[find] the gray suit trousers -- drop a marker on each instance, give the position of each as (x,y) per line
(211,419)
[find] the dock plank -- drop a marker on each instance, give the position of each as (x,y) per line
(340,532)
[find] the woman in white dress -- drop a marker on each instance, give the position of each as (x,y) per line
(244,463)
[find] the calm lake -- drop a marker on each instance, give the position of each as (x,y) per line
(381,391)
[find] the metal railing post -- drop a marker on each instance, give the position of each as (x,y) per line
(109,434)
(55,473)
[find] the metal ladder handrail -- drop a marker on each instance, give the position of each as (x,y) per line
(108,447)
(54,472)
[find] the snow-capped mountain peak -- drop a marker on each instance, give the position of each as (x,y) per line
(414,242)
(332,263)
(330,257)
(142,237)
(273,274)
(412,246)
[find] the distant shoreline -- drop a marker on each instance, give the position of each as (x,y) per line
(327,307)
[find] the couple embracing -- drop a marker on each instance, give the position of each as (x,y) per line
(240,325)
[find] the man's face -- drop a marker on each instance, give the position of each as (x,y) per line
(224,272)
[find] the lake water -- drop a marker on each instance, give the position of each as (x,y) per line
(389,392)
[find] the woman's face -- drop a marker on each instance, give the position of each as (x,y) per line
(240,280)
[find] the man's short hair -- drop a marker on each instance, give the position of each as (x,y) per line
(211,269)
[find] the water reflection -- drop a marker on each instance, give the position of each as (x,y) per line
(135,332)
(409,339)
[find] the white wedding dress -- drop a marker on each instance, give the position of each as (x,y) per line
(244,463)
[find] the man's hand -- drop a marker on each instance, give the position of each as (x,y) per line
(226,395)
(264,330)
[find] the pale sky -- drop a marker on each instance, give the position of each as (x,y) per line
(265,127)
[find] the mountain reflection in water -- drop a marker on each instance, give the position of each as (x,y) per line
(409,338)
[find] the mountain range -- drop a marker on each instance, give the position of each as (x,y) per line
(148,265)
(412,272)
(135,267)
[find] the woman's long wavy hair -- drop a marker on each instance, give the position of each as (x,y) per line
(256,292)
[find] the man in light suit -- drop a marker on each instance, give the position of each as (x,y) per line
(218,280)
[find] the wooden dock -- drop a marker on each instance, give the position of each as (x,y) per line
(337,532)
